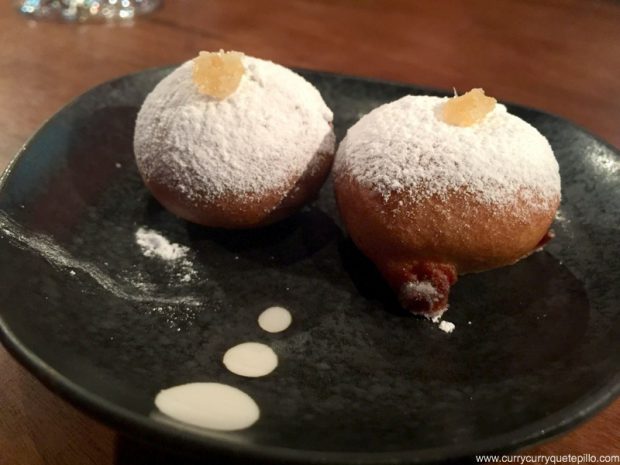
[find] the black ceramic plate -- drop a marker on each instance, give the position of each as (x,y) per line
(536,347)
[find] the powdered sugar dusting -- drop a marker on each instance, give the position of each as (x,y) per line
(446,326)
(154,244)
(405,146)
(420,289)
(50,251)
(259,139)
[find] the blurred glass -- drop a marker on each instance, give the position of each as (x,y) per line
(86,10)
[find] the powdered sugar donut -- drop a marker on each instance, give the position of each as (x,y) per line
(237,158)
(427,200)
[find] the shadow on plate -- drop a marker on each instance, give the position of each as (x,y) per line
(540,309)
(283,243)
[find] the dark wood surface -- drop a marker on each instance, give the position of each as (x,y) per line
(558,56)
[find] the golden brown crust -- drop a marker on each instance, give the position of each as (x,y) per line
(244,211)
(420,246)
(457,229)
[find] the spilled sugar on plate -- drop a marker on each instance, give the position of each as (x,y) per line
(219,406)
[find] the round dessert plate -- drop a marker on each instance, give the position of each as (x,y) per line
(536,348)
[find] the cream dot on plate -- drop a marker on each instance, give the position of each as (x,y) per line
(209,405)
(275,319)
(251,359)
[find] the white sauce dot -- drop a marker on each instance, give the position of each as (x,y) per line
(275,319)
(251,359)
(209,405)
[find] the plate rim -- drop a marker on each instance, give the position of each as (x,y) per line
(140,426)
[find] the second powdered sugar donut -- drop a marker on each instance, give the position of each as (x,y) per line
(228,140)
(432,187)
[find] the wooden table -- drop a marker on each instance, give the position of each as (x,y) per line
(559,56)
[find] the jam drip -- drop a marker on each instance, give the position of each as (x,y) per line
(423,287)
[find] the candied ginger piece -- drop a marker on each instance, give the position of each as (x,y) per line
(218,74)
(468,109)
